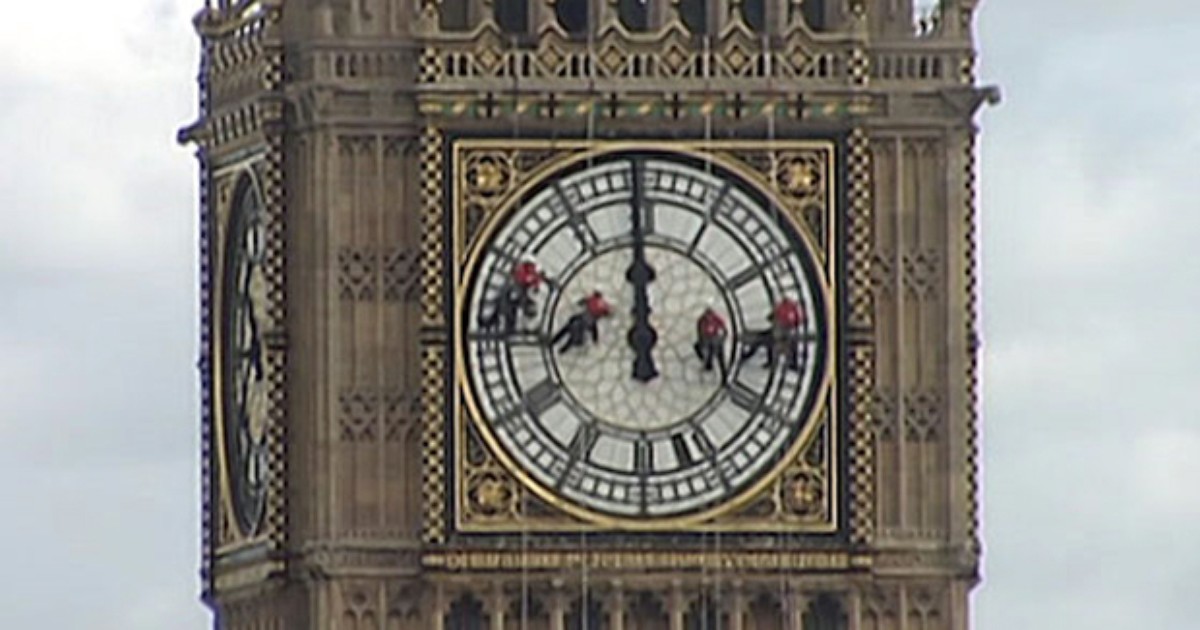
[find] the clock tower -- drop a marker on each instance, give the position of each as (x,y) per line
(596,314)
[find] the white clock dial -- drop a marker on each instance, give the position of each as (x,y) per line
(595,378)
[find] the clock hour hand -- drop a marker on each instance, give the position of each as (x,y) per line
(256,358)
(642,336)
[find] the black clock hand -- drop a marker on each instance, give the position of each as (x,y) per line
(642,336)
(255,349)
(255,343)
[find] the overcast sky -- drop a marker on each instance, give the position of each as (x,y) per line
(1089,189)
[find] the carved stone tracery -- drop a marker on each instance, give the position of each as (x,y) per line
(370,415)
(369,273)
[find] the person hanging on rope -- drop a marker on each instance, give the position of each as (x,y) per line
(783,337)
(786,321)
(584,323)
(517,297)
(710,340)
(528,278)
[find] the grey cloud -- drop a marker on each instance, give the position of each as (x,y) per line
(1089,337)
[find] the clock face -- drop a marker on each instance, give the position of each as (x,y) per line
(244,387)
(644,337)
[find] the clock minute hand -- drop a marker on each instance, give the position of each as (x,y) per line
(642,336)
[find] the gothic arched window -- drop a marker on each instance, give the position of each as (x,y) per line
(694,14)
(634,14)
(455,15)
(572,15)
(466,613)
(754,12)
(649,612)
(512,16)
(814,14)
(585,614)
(765,612)
(825,613)
(704,614)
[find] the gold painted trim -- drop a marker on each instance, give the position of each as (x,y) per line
(826,398)
(860,309)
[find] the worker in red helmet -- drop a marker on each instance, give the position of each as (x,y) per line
(584,323)
(787,320)
(528,278)
(517,297)
(711,332)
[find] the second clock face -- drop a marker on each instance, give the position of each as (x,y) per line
(242,371)
(644,337)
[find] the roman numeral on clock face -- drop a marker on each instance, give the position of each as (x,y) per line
(643,458)
(744,397)
(583,441)
(577,221)
(744,277)
(542,396)
(682,451)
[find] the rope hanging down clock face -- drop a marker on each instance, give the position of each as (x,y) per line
(643,339)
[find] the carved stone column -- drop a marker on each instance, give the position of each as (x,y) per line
(718,15)
(437,608)
(495,607)
(795,607)
(558,605)
(676,605)
(777,16)
(853,603)
(616,606)
(541,13)
(737,607)
(793,15)
(323,20)
(660,13)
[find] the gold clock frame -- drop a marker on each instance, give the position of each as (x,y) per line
(476,182)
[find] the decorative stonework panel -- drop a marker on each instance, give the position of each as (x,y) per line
(433,217)
(922,415)
(371,415)
(881,609)
(672,55)
(367,273)
(926,607)
(909,280)
(922,274)
(401,275)
(356,273)
(357,417)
